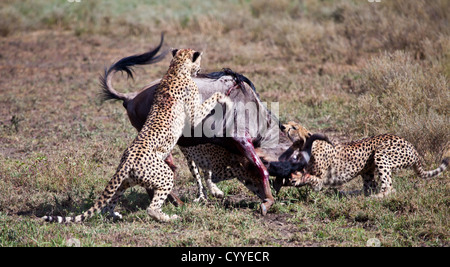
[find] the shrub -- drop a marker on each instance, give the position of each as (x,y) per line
(400,96)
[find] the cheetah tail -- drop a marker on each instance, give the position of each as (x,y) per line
(101,203)
(429,174)
(76,219)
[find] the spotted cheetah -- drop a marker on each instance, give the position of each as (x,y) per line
(225,165)
(335,165)
(176,104)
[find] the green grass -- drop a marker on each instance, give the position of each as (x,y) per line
(347,68)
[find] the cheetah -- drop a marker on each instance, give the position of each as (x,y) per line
(225,165)
(296,132)
(176,104)
(382,154)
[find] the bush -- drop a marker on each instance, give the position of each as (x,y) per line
(399,96)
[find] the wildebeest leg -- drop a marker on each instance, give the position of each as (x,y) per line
(172,197)
(245,146)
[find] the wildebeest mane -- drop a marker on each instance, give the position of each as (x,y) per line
(238,78)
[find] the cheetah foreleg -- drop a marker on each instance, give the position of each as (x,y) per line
(299,179)
(201,111)
(212,187)
(202,195)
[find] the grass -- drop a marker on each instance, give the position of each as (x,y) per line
(346,68)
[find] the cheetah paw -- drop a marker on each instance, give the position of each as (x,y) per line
(216,192)
(160,216)
(117,216)
(200,199)
(383,194)
(227,101)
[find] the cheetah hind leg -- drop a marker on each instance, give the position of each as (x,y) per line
(162,185)
(384,172)
(370,184)
(212,187)
(112,204)
(386,189)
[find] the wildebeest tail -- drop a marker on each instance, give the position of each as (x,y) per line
(126,64)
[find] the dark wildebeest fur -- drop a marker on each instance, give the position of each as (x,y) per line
(283,169)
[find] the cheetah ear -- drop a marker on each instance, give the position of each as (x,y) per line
(196,56)
(174,52)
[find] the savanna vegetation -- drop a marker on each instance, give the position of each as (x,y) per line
(346,68)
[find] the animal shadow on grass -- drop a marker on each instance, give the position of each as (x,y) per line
(132,201)
(62,206)
(135,201)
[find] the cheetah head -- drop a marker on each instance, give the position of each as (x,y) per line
(296,131)
(187,59)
